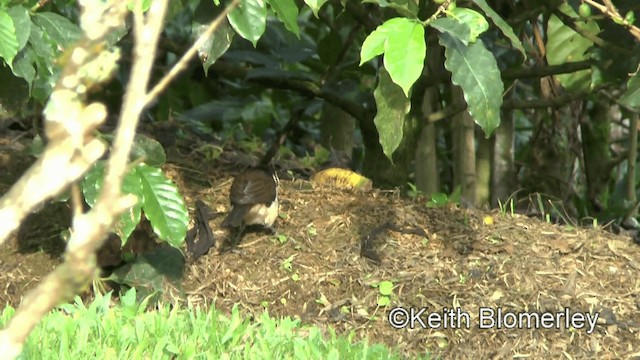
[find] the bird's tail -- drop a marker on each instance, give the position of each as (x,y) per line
(236,216)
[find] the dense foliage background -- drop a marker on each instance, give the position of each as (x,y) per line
(393,84)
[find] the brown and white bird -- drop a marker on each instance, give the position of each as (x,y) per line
(254,199)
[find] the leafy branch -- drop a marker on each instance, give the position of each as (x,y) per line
(609,10)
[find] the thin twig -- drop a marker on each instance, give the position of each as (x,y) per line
(609,10)
(182,63)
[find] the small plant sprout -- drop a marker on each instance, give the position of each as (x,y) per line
(462,279)
(287,264)
(413,191)
(385,290)
(438,200)
(311,230)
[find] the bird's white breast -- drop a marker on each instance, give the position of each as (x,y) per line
(262,214)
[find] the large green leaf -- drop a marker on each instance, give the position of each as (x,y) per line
(23,66)
(249,19)
(8,38)
(58,28)
(404,53)
(315,5)
(474,20)
(404,47)
(42,46)
(631,97)
(453,27)
(216,45)
(22,24)
(287,12)
(392,107)
(502,25)
(131,184)
(156,271)
(566,45)
(475,70)
(163,205)
(373,45)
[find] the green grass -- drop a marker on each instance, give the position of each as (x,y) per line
(127,331)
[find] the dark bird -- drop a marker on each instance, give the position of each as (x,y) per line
(254,199)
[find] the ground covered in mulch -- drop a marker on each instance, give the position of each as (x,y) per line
(438,259)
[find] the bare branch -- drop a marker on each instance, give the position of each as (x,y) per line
(71,149)
(89,230)
(184,61)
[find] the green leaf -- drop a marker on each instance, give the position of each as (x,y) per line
(149,150)
(152,271)
(386,288)
(92,183)
(565,45)
(315,5)
(249,19)
(438,200)
(404,52)
(402,42)
(42,45)
(131,184)
(22,24)
(502,25)
(383,301)
(37,146)
(163,205)
(631,97)
(8,38)
(23,67)
(216,45)
(146,4)
(58,28)
(373,45)
(453,27)
(287,12)
(475,21)
(392,107)
(475,70)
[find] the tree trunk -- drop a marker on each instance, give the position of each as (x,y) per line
(504,168)
(378,168)
(483,169)
(337,129)
(464,153)
(552,155)
(427,178)
(595,148)
(426,165)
